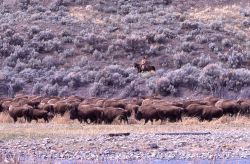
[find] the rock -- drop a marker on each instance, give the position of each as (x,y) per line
(166,149)
(135,150)
(153,146)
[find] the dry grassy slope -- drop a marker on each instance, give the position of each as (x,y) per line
(111,32)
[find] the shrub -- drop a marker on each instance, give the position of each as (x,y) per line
(29,74)
(67,39)
(55,4)
(20,66)
(180,59)
(64,92)
(137,88)
(213,47)
(10,61)
(201,39)
(156,50)
(218,25)
(50,90)
(16,39)
(188,46)
(204,60)
(226,43)
(189,25)
(35,63)
(186,76)
(89,77)
(246,23)
(210,77)
(33,30)
(160,38)
(45,35)
(131,18)
(79,41)
(9,32)
(50,61)
(236,59)
(98,55)
(136,43)
(98,89)
(6,50)
(68,52)
(164,87)
(244,93)
(17,85)
(74,79)
(52,45)
(83,61)
(23,4)
(236,79)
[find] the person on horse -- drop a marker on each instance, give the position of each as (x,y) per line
(144,63)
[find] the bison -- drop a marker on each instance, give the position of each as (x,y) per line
(110,113)
(203,112)
(244,107)
(148,113)
(171,112)
(87,112)
(210,112)
(35,114)
(61,107)
(230,107)
(116,103)
(18,111)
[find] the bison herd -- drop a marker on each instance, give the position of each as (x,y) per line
(101,110)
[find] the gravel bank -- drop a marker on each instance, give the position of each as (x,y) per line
(220,143)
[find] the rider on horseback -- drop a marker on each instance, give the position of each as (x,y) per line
(144,62)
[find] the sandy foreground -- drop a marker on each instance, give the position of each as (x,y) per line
(226,138)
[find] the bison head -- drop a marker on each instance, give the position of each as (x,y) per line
(50,116)
(73,113)
(138,115)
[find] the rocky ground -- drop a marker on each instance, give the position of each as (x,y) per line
(75,142)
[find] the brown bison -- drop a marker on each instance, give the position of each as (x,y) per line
(61,107)
(6,104)
(132,108)
(203,112)
(18,111)
(111,113)
(148,113)
(210,112)
(35,114)
(116,103)
(170,112)
(244,107)
(87,113)
(230,107)
(47,107)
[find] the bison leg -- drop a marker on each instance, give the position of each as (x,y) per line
(15,119)
(151,121)
(146,121)
(46,119)
(126,120)
(180,118)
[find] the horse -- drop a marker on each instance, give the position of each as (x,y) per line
(147,68)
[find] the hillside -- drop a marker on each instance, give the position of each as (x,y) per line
(88,48)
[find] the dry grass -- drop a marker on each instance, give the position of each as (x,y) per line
(229,15)
(83,14)
(5,118)
(62,126)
